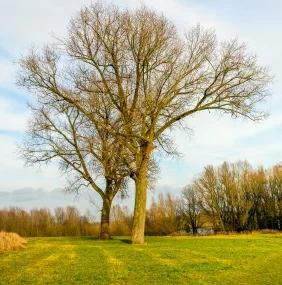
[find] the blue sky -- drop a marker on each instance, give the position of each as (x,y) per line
(214,139)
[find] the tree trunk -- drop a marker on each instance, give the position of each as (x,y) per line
(138,227)
(194,229)
(105,219)
(141,185)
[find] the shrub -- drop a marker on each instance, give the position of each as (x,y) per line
(11,241)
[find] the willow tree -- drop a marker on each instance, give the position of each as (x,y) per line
(152,76)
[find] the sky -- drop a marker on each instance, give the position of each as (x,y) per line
(213,139)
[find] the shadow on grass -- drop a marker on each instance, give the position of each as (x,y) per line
(89,237)
(114,238)
(125,240)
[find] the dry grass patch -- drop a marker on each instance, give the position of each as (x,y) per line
(11,241)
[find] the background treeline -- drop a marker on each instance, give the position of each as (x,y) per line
(44,222)
(61,222)
(231,197)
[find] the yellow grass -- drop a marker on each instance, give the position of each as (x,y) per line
(11,241)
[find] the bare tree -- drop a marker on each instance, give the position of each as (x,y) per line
(274,196)
(153,77)
(162,216)
(191,207)
(86,153)
(231,194)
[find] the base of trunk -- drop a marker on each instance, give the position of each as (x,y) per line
(137,240)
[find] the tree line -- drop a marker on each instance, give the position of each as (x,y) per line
(106,96)
(60,222)
(44,222)
(230,197)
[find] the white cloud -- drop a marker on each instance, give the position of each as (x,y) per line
(11,119)
(13,173)
(6,71)
(33,22)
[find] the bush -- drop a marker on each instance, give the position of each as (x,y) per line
(11,241)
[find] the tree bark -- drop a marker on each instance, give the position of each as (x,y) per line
(105,219)
(141,185)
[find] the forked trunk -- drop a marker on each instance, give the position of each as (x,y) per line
(141,185)
(105,219)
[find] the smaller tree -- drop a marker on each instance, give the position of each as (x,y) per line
(86,153)
(190,208)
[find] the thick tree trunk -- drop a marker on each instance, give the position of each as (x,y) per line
(141,185)
(105,219)
(138,227)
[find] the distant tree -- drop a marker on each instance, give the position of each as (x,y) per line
(121,221)
(191,208)
(266,195)
(162,216)
(153,78)
(274,197)
(257,187)
(225,195)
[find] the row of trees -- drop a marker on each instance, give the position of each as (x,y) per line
(237,197)
(60,222)
(231,197)
(107,95)
(43,222)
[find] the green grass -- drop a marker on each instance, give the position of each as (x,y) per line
(235,259)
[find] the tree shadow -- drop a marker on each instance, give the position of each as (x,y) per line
(125,240)
(90,238)
(114,238)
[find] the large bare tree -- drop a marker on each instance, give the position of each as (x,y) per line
(151,75)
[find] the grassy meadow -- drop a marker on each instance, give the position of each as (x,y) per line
(233,259)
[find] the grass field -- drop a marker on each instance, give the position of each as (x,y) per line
(241,259)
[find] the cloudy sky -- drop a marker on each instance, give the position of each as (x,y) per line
(214,139)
